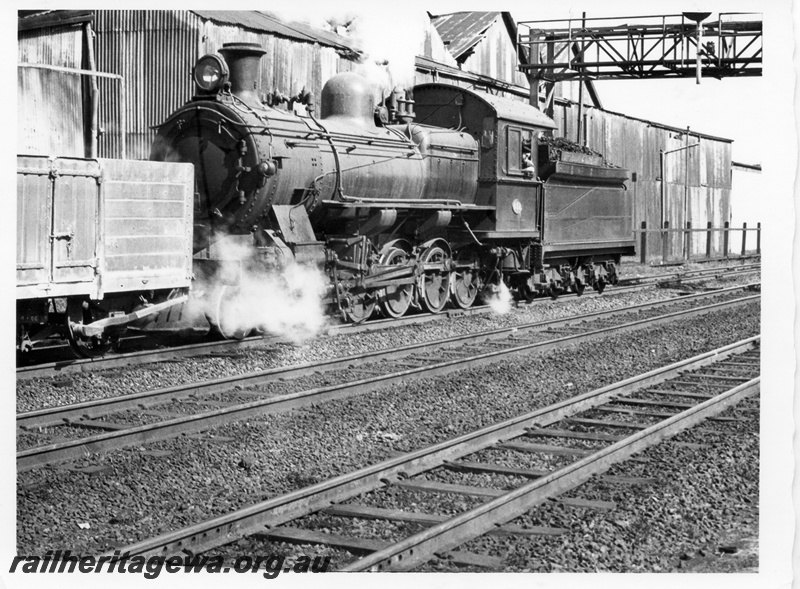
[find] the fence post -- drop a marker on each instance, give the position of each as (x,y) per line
(664,242)
(643,243)
(744,238)
(758,239)
(708,240)
(687,241)
(725,232)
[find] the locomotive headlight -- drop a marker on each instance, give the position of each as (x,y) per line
(210,72)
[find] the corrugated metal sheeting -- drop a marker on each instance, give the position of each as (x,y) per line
(288,66)
(480,42)
(272,25)
(154,50)
(49,117)
(496,56)
(461,31)
(698,179)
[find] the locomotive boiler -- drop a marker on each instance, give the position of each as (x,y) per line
(416,203)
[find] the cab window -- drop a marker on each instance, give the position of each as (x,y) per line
(521,152)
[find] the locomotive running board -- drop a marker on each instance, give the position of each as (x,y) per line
(405,204)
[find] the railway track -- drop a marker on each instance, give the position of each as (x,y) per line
(577,439)
(231,398)
(148,356)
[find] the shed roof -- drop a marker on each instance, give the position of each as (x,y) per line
(461,31)
(271,23)
(39,19)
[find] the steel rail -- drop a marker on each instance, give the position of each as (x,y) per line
(153,356)
(47,454)
(421,547)
(37,456)
(64,414)
(693,275)
(282,509)
(59,415)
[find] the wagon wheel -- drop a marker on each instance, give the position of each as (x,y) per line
(395,300)
(526,293)
(613,277)
(465,283)
(579,286)
(551,290)
(434,284)
(600,285)
(226,316)
(86,346)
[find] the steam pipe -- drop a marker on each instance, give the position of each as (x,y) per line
(94,115)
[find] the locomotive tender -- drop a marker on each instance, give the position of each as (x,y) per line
(415,203)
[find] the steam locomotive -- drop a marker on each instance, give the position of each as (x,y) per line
(415,203)
(437,196)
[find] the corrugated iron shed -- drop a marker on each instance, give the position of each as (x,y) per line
(462,31)
(153,51)
(269,23)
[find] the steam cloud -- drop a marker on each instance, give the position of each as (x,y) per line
(397,40)
(286,303)
(500,300)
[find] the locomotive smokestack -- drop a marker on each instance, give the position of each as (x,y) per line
(244,63)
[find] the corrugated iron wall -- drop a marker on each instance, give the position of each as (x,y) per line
(697,188)
(495,56)
(698,179)
(288,66)
(154,50)
(50,116)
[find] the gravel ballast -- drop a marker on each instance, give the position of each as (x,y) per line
(136,493)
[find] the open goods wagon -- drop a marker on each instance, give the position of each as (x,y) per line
(101,243)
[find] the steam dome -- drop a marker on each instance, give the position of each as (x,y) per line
(348,95)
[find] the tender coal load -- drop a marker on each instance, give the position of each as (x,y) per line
(552,149)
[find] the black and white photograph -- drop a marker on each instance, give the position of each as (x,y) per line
(428,288)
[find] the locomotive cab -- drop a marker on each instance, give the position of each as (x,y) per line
(507,132)
(562,224)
